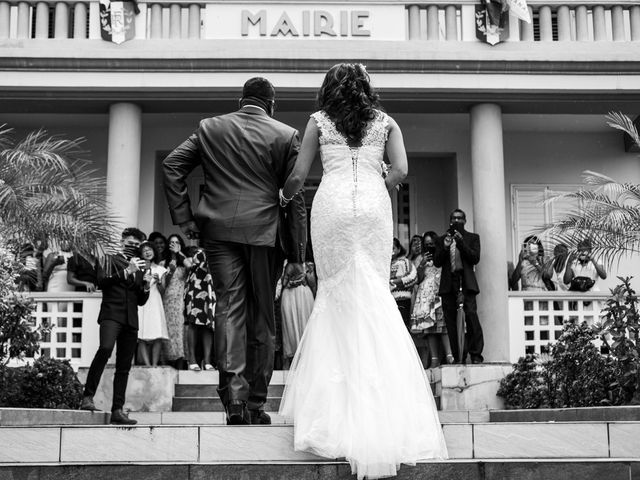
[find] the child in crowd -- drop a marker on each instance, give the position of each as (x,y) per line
(152,322)
(298,285)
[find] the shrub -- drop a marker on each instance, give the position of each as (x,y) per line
(48,383)
(575,374)
(622,323)
(526,386)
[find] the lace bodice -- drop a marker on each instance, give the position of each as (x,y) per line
(351,214)
(367,158)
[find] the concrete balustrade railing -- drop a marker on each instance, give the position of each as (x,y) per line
(551,21)
(452,21)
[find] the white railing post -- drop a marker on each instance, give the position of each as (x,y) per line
(433,23)
(5,20)
(194,20)
(564,24)
(451,23)
(80,20)
(61,25)
(42,20)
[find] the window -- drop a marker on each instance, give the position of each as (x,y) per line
(530,211)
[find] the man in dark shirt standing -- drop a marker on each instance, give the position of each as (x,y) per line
(124,287)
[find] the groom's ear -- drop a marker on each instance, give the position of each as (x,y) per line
(272,107)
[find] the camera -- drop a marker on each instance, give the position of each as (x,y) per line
(430,251)
(452,229)
(131,251)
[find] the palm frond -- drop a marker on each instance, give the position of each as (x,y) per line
(49,190)
(622,122)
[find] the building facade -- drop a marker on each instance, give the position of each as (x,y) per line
(489,129)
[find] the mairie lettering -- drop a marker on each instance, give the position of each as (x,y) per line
(315,23)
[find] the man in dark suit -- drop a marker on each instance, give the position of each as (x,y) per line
(246,157)
(124,287)
(457,253)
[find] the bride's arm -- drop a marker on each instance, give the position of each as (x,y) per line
(397,156)
(307,155)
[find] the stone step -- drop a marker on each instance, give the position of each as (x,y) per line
(42,417)
(214,404)
(274,443)
(201,390)
(584,469)
(204,390)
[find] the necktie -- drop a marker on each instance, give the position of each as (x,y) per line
(454,255)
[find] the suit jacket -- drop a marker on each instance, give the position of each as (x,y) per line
(246,157)
(121,293)
(469,250)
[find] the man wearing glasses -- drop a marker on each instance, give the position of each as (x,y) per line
(124,287)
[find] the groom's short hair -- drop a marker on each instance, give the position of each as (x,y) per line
(259,87)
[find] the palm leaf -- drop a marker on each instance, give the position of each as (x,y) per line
(49,190)
(606,212)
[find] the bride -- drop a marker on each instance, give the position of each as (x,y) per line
(356,388)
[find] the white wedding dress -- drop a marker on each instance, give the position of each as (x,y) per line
(356,388)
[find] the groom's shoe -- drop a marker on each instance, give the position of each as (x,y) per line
(260,417)
(237,413)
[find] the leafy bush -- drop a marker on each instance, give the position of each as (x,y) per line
(17,336)
(48,383)
(575,374)
(622,323)
(526,386)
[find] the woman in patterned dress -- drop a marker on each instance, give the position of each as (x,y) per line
(199,309)
(174,298)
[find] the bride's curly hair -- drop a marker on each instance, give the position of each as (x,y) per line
(346,95)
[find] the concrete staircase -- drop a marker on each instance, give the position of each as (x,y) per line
(196,392)
(45,444)
(192,442)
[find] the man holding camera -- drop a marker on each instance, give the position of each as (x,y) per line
(125,286)
(457,253)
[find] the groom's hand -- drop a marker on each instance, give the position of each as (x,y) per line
(190,230)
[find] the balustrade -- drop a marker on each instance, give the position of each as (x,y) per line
(536,319)
(426,21)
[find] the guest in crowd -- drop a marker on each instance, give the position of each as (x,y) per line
(403,278)
(30,272)
(82,272)
(55,269)
(457,253)
(529,269)
(199,309)
(177,267)
(124,287)
(583,271)
(160,242)
(427,318)
(415,250)
(555,269)
(296,305)
(151,316)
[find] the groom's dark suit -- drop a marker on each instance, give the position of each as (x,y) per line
(246,157)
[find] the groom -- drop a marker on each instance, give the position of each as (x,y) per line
(246,157)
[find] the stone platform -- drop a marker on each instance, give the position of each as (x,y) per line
(163,389)
(274,443)
(451,470)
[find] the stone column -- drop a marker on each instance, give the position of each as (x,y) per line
(5,19)
(489,220)
(123,161)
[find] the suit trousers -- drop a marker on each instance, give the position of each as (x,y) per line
(244,280)
(112,334)
(474,340)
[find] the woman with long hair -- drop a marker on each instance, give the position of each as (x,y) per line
(177,267)
(356,388)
